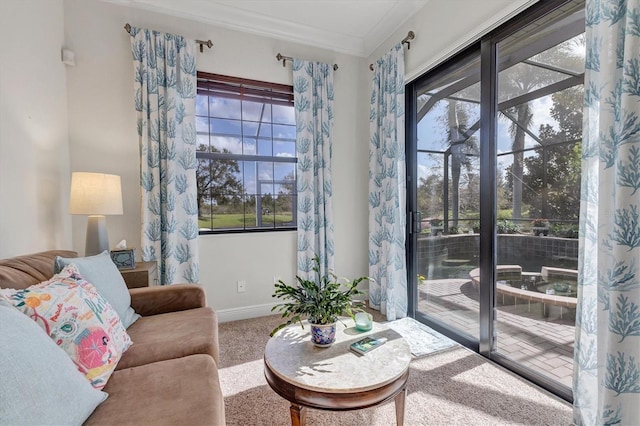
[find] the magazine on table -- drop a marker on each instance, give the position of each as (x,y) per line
(367,344)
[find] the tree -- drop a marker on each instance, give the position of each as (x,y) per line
(267,203)
(290,185)
(216,180)
(516,81)
(284,201)
(553,175)
(430,191)
(503,185)
(456,139)
(469,190)
(524,118)
(459,145)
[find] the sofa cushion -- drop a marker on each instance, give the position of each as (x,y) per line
(183,391)
(78,319)
(100,271)
(39,382)
(167,298)
(172,335)
(27,270)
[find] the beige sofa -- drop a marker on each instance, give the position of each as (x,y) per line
(169,375)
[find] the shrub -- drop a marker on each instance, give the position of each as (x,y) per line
(568,230)
(507,227)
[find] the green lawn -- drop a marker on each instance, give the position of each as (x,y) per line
(239,220)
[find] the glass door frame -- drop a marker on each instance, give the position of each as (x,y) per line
(413,216)
(487,47)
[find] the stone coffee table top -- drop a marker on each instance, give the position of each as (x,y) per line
(293,358)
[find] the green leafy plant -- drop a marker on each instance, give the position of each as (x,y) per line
(321,300)
(507,227)
(436,222)
(565,230)
(455,230)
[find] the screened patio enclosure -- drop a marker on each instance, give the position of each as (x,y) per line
(532,68)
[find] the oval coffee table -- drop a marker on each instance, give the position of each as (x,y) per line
(336,378)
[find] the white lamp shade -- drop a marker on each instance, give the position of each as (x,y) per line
(95,194)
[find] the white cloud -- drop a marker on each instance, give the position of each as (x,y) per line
(224,108)
(265,175)
(542,114)
(234,145)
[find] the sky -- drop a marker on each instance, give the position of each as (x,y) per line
(432,129)
(252,136)
(432,133)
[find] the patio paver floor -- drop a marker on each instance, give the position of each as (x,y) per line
(544,344)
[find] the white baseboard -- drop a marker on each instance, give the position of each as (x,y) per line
(245,312)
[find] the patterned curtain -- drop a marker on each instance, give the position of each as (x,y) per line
(165,89)
(387,187)
(607,351)
(313,99)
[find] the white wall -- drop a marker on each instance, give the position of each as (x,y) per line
(103,138)
(34,156)
(444,27)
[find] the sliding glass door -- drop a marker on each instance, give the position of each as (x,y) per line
(493,146)
(539,134)
(447,196)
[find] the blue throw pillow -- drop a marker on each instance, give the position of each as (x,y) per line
(40,384)
(100,271)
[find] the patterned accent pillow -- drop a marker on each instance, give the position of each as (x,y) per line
(78,319)
(100,271)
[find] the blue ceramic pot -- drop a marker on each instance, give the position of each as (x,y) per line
(323,335)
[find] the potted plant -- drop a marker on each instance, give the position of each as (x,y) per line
(436,226)
(321,301)
(475,226)
(505,226)
(540,226)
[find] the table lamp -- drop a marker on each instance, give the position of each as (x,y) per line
(96,195)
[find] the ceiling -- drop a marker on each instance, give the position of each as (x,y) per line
(355,27)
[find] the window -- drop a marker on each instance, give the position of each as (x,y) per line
(246,137)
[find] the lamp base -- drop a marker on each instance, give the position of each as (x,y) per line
(97,239)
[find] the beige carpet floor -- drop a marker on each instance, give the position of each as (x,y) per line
(451,387)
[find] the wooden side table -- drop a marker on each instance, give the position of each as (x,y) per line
(145,274)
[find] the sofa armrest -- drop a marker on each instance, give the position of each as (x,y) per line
(159,300)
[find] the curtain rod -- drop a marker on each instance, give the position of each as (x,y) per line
(202,43)
(406,40)
(284,60)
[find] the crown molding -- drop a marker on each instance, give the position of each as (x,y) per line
(401,12)
(237,19)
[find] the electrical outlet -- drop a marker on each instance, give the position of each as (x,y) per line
(242,286)
(276,279)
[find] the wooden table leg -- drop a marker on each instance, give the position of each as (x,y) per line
(298,415)
(399,401)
